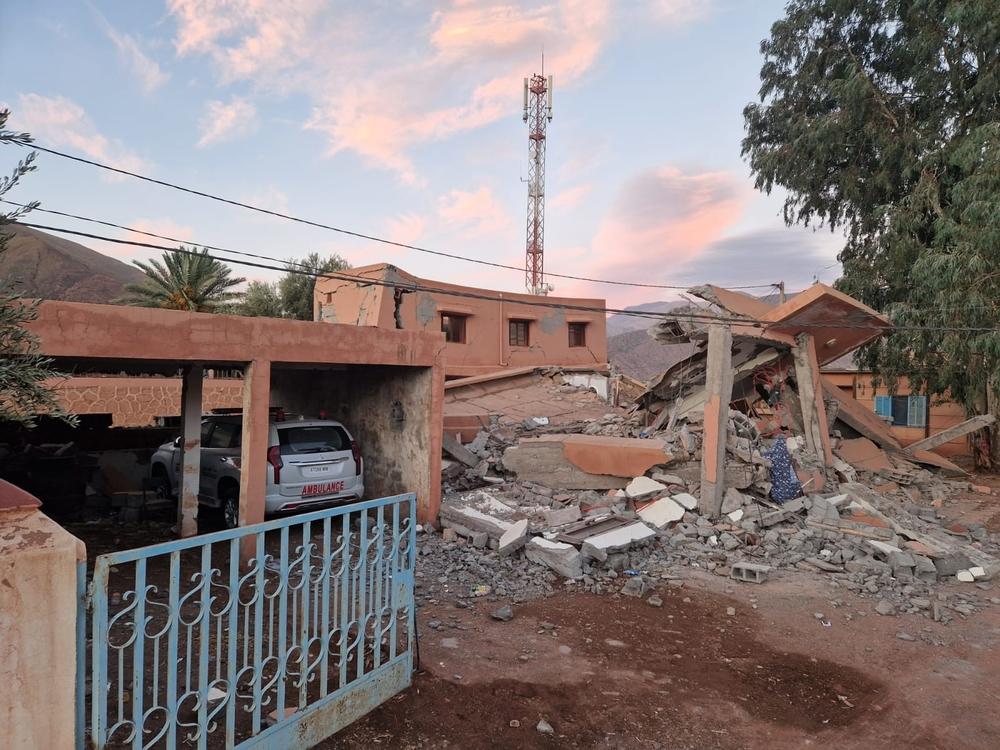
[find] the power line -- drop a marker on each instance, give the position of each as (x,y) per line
(415,287)
(340,230)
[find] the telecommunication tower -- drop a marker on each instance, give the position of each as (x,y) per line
(537,113)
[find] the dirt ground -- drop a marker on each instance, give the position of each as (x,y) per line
(800,664)
(616,672)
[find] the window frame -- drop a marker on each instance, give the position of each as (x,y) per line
(582,328)
(916,409)
(518,325)
(455,334)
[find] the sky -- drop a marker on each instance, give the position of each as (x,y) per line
(402,119)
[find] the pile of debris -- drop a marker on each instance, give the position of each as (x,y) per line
(794,475)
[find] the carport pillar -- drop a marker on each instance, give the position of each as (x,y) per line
(187,505)
(719,392)
(253,454)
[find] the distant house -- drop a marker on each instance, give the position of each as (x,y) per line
(485,330)
(913,416)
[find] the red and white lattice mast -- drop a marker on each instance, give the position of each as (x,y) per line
(537,113)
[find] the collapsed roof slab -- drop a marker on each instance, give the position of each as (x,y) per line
(839,323)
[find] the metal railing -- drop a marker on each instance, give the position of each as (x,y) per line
(188,648)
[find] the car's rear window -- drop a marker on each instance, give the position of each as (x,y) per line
(312,439)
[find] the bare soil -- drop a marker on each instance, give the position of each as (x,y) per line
(617,672)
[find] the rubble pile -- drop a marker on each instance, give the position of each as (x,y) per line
(799,477)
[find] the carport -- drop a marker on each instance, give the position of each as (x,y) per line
(385,385)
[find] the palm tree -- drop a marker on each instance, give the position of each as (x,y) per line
(186,280)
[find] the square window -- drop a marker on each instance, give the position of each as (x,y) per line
(518,332)
(454,328)
(577,334)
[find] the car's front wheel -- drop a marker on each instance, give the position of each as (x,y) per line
(231,506)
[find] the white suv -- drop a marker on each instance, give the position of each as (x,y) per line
(310,463)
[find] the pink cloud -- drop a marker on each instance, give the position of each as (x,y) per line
(661,219)
(379,97)
(474,213)
(224,121)
(61,122)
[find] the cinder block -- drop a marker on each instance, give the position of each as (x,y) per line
(746,571)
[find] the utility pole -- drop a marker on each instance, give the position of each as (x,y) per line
(537,113)
(781,292)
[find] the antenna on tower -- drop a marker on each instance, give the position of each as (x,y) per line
(537,113)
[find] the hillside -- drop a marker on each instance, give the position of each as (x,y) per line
(623,323)
(637,355)
(50,267)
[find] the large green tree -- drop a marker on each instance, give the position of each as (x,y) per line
(261,299)
(188,280)
(881,119)
(25,375)
(296,289)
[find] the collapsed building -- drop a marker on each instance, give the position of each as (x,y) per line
(741,459)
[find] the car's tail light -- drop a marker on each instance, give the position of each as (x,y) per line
(356,452)
(274,458)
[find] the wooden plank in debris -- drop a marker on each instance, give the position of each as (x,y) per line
(952,433)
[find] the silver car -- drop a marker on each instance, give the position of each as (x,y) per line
(310,463)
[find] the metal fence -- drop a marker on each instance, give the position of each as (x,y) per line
(183,647)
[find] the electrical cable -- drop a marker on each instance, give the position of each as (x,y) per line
(351,233)
(706,318)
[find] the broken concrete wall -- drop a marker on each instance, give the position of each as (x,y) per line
(584,461)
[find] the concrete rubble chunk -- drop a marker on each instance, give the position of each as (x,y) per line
(736,516)
(965,576)
(513,538)
(951,564)
(599,546)
(823,511)
(669,479)
(686,500)
(584,462)
(661,513)
(562,516)
(560,557)
(458,451)
(733,500)
(641,487)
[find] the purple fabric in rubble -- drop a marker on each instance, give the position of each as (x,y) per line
(785,484)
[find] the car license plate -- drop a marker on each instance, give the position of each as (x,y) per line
(323,488)
(314,471)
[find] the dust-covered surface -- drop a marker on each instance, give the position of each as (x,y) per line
(716,665)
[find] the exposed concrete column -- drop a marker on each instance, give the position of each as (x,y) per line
(253,454)
(807,376)
(719,391)
(187,504)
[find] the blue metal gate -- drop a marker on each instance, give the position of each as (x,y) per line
(186,648)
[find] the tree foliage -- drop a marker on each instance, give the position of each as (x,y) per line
(261,299)
(881,118)
(188,280)
(296,289)
(25,374)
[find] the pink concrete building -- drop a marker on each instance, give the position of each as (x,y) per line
(504,330)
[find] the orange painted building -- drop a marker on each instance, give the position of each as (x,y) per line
(913,416)
(504,330)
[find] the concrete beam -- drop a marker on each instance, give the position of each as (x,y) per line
(719,391)
(955,431)
(187,498)
(253,463)
(807,377)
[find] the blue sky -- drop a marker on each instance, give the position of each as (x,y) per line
(402,119)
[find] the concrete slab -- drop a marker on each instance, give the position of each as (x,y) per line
(643,487)
(661,513)
(600,545)
(560,557)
